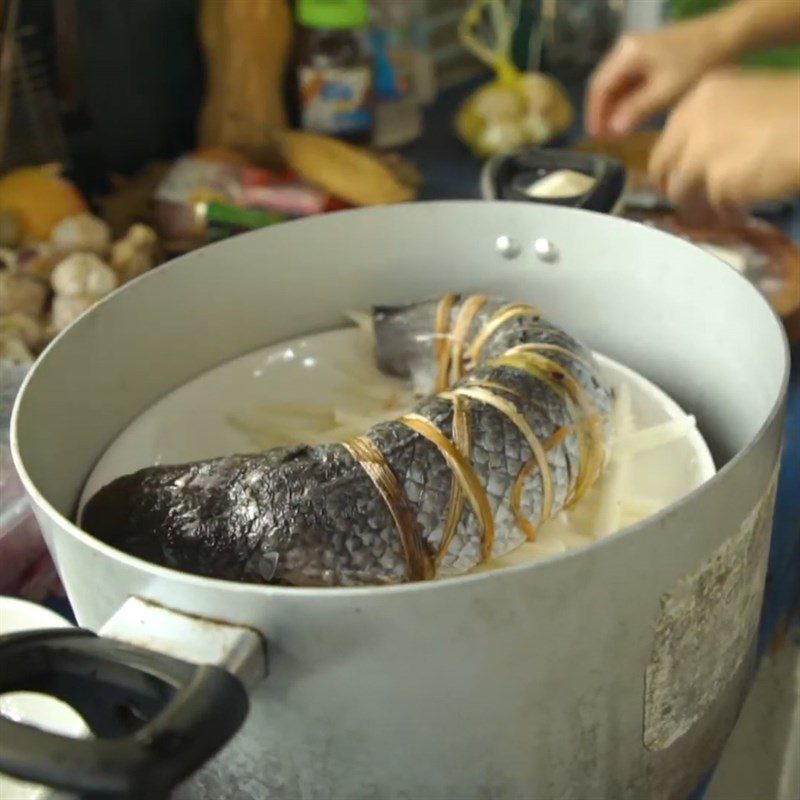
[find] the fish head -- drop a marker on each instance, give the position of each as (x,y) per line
(406,342)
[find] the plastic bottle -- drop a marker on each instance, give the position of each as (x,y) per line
(398,111)
(334,72)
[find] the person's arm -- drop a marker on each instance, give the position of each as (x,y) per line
(646,73)
(732,141)
(753,25)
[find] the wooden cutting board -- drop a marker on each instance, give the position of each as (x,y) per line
(632,151)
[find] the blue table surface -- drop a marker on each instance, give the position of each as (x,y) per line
(451,172)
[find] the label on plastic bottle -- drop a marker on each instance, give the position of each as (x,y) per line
(336,100)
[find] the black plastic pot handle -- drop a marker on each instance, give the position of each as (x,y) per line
(156,718)
(508,177)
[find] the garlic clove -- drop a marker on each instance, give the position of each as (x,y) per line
(20,293)
(67,308)
(134,254)
(142,235)
(39,260)
(13,349)
(24,327)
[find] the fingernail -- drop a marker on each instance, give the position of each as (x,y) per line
(619,124)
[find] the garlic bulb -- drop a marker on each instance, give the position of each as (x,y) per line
(82,233)
(83,274)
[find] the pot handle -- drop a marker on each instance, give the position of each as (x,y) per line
(156,718)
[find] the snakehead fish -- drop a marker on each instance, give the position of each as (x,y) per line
(512,430)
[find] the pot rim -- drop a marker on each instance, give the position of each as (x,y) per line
(456,581)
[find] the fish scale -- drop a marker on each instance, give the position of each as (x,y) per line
(316,516)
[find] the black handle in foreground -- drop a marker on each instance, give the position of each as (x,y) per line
(156,718)
(509,177)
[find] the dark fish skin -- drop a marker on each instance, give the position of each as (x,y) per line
(312,516)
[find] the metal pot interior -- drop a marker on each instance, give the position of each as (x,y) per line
(654,302)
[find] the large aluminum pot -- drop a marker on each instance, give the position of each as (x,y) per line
(614,672)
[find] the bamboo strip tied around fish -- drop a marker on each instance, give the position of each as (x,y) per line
(512,429)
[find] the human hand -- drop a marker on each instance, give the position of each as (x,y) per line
(733,141)
(647,72)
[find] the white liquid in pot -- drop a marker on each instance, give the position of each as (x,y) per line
(326,388)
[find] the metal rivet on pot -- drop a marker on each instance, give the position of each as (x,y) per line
(545,250)
(508,247)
